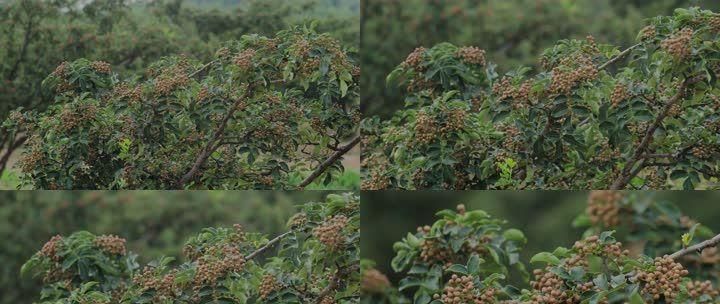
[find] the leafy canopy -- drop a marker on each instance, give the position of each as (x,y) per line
(315,261)
(468,257)
(262,109)
(596,117)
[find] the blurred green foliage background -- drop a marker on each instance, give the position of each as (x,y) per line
(154,223)
(544,216)
(513,32)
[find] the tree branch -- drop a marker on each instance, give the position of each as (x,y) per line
(699,247)
(338,277)
(202,68)
(16,143)
(618,57)
(268,245)
(626,174)
(213,144)
(332,159)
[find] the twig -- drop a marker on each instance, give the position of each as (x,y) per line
(334,157)
(335,281)
(625,176)
(202,68)
(268,245)
(699,247)
(618,57)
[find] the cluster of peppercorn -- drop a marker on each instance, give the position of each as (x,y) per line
(123,91)
(216,264)
(268,285)
(549,287)
(425,130)
(512,141)
(171,79)
(74,115)
(298,220)
(619,94)
(703,151)
(648,33)
(604,207)
(655,180)
(714,22)
(679,44)
(244,59)
(50,249)
(607,153)
(374,281)
(101,67)
(463,290)
(431,125)
(331,234)
(522,96)
(697,289)
(572,71)
(415,58)
(376,181)
(663,281)
(471,55)
(112,244)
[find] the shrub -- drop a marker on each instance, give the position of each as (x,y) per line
(264,108)
(647,123)
(479,259)
(314,261)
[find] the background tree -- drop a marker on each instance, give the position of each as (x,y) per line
(574,125)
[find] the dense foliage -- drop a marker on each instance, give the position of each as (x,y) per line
(155,223)
(602,267)
(261,110)
(314,261)
(513,31)
(38,35)
(651,123)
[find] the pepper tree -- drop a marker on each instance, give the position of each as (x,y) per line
(594,117)
(315,261)
(263,109)
(470,257)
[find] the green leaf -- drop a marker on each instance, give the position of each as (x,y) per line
(635,298)
(457,268)
(515,235)
(545,257)
(343,88)
(688,237)
(473,265)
